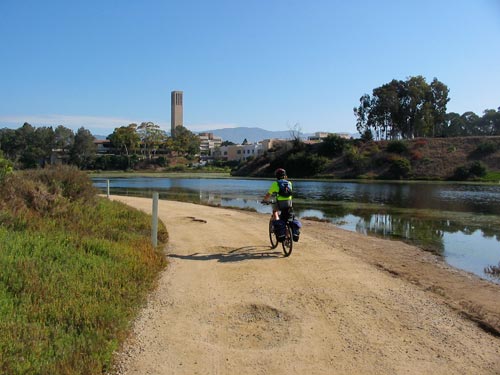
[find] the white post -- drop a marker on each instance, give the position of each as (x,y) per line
(154,230)
(107,190)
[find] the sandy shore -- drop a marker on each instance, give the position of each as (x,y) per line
(342,303)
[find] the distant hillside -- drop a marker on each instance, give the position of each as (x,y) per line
(237,135)
(459,158)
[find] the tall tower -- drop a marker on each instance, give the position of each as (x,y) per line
(176,108)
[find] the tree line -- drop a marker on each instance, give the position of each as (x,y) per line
(31,147)
(414,108)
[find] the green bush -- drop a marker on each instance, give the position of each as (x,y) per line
(484,149)
(332,146)
(6,166)
(397,147)
(461,173)
(477,169)
(162,161)
(304,164)
(473,170)
(357,161)
(399,168)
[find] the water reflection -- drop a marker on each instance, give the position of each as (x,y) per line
(460,222)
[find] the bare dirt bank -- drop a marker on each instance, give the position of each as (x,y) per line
(342,303)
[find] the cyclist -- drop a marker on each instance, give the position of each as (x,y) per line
(282,189)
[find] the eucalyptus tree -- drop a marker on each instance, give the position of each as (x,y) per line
(151,137)
(34,145)
(185,141)
(126,138)
(403,109)
(83,150)
(63,138)
(489,123)
(8,143)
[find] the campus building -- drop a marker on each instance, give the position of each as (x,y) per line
(241,152)
(208,142)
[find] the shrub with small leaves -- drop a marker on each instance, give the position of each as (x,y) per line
(400,168)
(477,169)
(484,148)
(5,167)
(397,147)
(472,170)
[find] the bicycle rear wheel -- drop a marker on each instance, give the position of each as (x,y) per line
(288,242)
(272,235)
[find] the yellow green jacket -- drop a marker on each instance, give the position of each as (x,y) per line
(274,190)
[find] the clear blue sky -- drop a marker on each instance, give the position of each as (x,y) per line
(265,63)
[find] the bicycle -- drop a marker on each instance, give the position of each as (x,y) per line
(287,242)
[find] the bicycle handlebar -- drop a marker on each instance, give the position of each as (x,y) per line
(267,202)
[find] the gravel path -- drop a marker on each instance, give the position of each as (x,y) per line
(342,303)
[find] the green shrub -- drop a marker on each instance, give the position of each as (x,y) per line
(461,173)
(357,161)
(304,164)
(399,168)
(162,161)
(484,149)
(472,170)
(477,169)
(397,147)
(332,145)
(6,167)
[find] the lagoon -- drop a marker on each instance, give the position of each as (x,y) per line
(460,222)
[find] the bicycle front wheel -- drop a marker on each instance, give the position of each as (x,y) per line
(288,242)
(272,235)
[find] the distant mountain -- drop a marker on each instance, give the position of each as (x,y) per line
(237,135)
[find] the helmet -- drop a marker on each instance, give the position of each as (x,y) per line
(280,173)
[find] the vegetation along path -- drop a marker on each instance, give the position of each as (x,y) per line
(342,303)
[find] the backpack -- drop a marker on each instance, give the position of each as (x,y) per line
(285,188)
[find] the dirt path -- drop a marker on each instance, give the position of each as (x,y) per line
(227,304)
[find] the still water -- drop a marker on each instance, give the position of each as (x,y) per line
(461,222)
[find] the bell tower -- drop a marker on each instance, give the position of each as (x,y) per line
(176,108)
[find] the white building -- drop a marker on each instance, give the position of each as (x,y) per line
(242,152)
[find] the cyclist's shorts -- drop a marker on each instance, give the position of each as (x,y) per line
(282,205)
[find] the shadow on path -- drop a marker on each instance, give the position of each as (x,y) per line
(234,254)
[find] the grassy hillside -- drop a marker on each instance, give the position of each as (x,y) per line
(74,269)
(467,158)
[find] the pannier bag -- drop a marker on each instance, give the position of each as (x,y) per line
(279,229)
(296,225)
